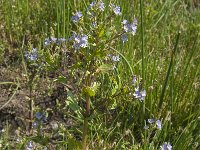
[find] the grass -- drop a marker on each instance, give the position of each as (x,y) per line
(163,55)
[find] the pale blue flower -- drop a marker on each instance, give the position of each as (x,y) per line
(139,94)
(117,10)
(151,120)
(158,124)
(166,146)
(80,41)
(47,41)
(124,38)
(35,124)
(101,6)
(29,145)
(124,21)
(94,24)
(92,4)
(132,27)
(146,127)
(77,17)
(33,55)
(115,58)
(134,80)
(38,115)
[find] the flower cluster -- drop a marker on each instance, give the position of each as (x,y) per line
(97,5)
(130,27)
(114,58)
(79,41)
(166,146)
(139,94)
(116,9)
(151,121)
(124,38)
(40,118)
(77,17)
(33,55)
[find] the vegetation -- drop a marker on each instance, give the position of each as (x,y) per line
(107,74)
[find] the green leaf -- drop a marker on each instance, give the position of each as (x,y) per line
(104,68)
(89,91)
(101,32)
(72,103)
(61,79)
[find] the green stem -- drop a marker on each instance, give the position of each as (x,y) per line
(142,36)
(86,115)
(31,102)
(30,110)
(85,126)
(143,53)
(168,73)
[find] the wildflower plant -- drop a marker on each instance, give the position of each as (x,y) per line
(87,63)
(90,55)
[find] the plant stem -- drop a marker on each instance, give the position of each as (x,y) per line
(85,126)
(87,114)
(143,51)
(30,110)
(31,102)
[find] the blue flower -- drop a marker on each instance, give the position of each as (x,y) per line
(124,38)
(124,22)
(134,80)
(77,17)
(146,127)
(151,120)
(115,58)
(132,27)
(117,10)
(47,41)
(38,115)
(79,41)
(40,118)
(94,24)
(92,4)
(166,146)
(32,55)
(139,94)
(101,6)
(29,145)
(158,124)
(35,124)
